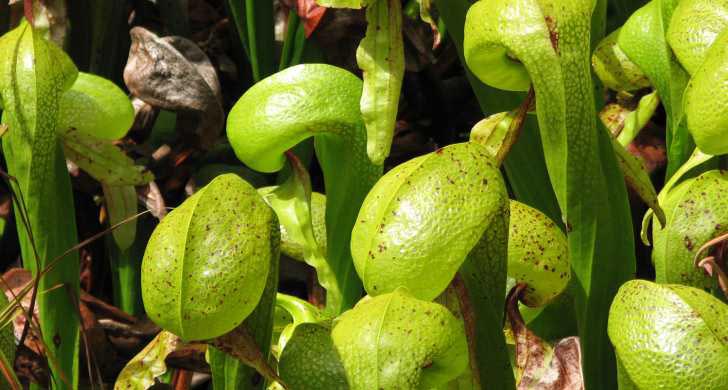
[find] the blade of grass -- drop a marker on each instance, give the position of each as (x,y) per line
(294,42)
(254,22)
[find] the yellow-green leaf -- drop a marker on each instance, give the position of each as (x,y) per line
(148,364)
(637,179)
(381,57)
(121,203)
(95,106)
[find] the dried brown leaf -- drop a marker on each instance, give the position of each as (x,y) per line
(153,199)
(145,115)
(173,73)
(539,364)
(14,281)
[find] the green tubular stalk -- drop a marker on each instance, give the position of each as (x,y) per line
(290,106)
(524,165)
(126,269)
(580,161)
(125,264)
(484,276)
(33,75)
(254,22)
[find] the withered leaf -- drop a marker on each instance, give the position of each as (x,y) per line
(540,365)
(173,73)
(145,115)
(14,282)
(152,198)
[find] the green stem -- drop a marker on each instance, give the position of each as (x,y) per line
(254,22)
(126,269)
(294,42)
(553,49)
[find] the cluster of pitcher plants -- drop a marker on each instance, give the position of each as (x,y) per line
(504,261)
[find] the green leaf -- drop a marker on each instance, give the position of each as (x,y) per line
(413,231)
(638,180)
(141,371)
(207,262)
(228,373)
(538,255)
(103,161)
(310,361)
(97,107)
(707,120)
(525,167)
(395,341)
(343,3)
(694,28)
(291,246)
(255,24)
(431,217)
(34,73)
(613,67)
(492,131)
(697,212)
(8,349)
(291,202)
(695,160)
(381,58)
(300,312)
(624,123)
(677,341)
(121,203)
